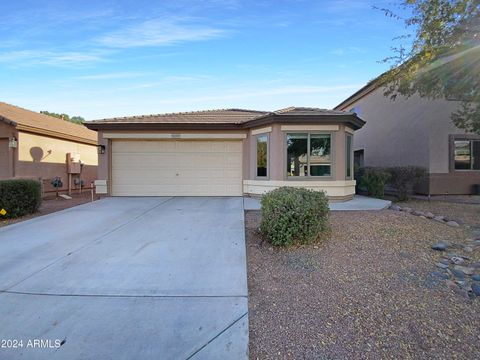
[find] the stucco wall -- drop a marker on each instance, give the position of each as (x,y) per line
(411,131)
(7,154)
(45,157)
(396,132)
(407,131)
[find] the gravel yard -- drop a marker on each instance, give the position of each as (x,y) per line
(464,213)
(364,291)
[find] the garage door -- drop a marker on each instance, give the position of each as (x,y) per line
(176,168)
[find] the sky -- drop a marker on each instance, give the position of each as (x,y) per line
(101,59)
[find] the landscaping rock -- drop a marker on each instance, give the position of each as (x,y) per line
(441,265)
(476,277)
(451,285)
(452,223)
(395,207)
(457,260)
(423,217)
(418,213)
(438,218)
(429,215)
(467,249)
(464,269)
(475,265)
(440,246)
(445,261)
(407,209)
(458,274)
(476,289)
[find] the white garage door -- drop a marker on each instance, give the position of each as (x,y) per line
(176,168)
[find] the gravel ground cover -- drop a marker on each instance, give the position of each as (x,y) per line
(368,290)
(52,204)
(468,214)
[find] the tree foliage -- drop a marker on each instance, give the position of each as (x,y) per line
(66,117)
(442,59)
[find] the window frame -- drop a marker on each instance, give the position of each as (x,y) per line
(309,177)
(255,164)
(347,136)
(455,138)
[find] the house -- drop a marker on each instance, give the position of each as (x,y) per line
(415,131)
(227,152)
(34,145)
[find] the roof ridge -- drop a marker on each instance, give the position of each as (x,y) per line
(183,113)
(40,113)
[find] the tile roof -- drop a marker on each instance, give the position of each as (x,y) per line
(32,121)
(220,116)
(309,111)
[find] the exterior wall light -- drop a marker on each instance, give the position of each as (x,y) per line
(13,143)
(101,149)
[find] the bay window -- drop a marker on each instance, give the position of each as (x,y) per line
(309,155)
(348,157)
(262,156)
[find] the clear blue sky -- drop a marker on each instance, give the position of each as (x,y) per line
(102,59)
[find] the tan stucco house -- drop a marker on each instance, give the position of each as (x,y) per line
(227,152)
(34,145)
(415,131)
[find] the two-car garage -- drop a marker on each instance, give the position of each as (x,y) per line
(176,167)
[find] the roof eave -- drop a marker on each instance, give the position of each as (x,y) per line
(55,134)
(348,119)
(162,126)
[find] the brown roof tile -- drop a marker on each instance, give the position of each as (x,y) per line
(35,122)
(221,116)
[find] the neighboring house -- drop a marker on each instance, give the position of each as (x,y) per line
(415,131)
(34,145)
(227,152)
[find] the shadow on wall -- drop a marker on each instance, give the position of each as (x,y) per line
(37,154)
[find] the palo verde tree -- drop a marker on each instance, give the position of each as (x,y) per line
(442,58)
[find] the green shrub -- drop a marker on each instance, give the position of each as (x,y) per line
(20,197)
(374,179)
(404,178)
(293,215)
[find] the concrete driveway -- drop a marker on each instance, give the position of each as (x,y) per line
(127,278)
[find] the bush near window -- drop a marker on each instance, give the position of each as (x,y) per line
(20,197)
(373,180)
(293,215)
(404,178)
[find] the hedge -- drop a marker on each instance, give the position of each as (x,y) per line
(293,215)
(404,179)
(19,197)
(373,180)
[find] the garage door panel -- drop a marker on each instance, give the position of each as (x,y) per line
(143,146)
(142,160)
(176,168)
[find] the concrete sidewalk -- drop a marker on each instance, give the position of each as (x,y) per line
(357,203)
(128,278)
